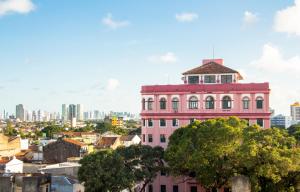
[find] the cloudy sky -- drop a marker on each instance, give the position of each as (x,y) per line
(99,53)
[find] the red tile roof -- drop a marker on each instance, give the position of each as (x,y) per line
(74,142)
(106,142)
(211,68)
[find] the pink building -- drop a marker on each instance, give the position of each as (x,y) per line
(210,90)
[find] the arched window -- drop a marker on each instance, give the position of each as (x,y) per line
(209,102)
(226,102)
(175,102)
(150,104)
(246,103)
(163,103)
(193,103)
(259,103)
(143,104)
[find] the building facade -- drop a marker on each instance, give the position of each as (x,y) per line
(208,91)
(295,112)
(20,112)
(281,121)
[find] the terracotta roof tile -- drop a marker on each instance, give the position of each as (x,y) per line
(106,142)
(211,68)
(74,142)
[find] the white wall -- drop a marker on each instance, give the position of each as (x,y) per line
(14,166)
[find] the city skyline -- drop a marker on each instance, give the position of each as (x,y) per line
(99,54)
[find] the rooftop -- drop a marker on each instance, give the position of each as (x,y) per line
(74,142)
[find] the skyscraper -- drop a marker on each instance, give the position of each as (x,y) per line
(72,114)
(79,112)
(20,113)
(64,112)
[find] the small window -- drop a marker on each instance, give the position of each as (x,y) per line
(192,120)
(163,188)
(175,103)
(144,138)
(163,103)
(175,188)
(162,138)
(226,102)
(144,122)
(259,103)
(193,188)
(193,103)
(209,103)
(174,122)
(163,173)
(193,79)
(143,104)
(260,122)
(162,122)
(150,138)
(246,103)
(150,104)
(150,188)
(226,78)
(209,79)
(150,122)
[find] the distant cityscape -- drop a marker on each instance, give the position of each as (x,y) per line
(68,113)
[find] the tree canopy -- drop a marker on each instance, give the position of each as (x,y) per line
(120,169)
(215,150)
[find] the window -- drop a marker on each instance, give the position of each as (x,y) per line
(259,103)
(162,138)
(144,139)
(150,122)
(163,103)
(150,138)
(175,103)
(260,122)
(150,104)
(246,103)
(143,104)
(226,78)
(193,79)
(163,188)
(150,188)
(209,79)
(193,188)
(163,173)
(174,122)
(162,122)
(192,120)
(209,102)
(144,122)
(226,102)
(193,103)
(175,188)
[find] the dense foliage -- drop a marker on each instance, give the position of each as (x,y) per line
(215,150)
(120,169)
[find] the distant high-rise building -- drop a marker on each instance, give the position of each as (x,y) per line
(72,111)
(34,116)
(79,112)
(64,112)
(295,111)
(281,121)
(20,112)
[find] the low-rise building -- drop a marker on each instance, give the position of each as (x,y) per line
(108,143)
(130,140)
(22,182)
(69,169)
(63,148)
(11,165)
(281,121)
(65,184)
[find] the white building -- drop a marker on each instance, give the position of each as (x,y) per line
(11,166)
(295,111)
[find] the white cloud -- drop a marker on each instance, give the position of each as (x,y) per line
(272,60)
(168,57)
(112,84)
(17,6)
(186,17)
(113,24)
(288,20)
(250,18)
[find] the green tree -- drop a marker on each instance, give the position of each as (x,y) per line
(206,150)
(294,130)
(52,129)
(120,169)
(10,130)
(102,127)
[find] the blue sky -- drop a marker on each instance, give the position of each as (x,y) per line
(99,53)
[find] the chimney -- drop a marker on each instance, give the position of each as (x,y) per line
(219,61)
